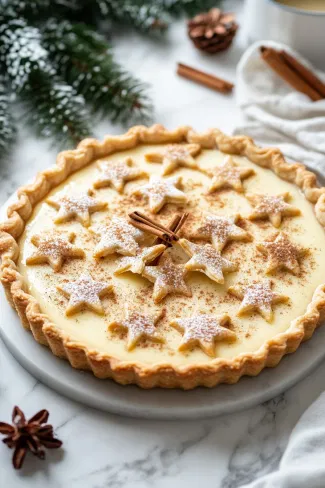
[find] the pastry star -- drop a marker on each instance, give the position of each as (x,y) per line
(136,264)
(161,191)
(167,277)
(54,249)
(282,254)
(174,156)
(85,293)
(203,331)
(139,326)
(272,207)
(228,175)
(221,230)
(258,296)
(119,236)
(117,173)
(208,260)
(76,206)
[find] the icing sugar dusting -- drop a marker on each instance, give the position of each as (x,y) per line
(159,187)
(117,173)
(85,292)
(118,236)
(220,230)
(140,324)
(203,327)
(116,169)
(271,204)
(282,249)
(79,203)
(259,293)
(176,152)
(171,274)
(85,289)
(203,331)
(219,226)
(54,246)
(208,256)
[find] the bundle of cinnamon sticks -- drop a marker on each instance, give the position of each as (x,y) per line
(163,234)
(294,73)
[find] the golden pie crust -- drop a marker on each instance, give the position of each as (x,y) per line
(166,374)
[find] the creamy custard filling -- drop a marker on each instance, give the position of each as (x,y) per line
(135,292)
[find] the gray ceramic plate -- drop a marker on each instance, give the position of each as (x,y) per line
(154,404)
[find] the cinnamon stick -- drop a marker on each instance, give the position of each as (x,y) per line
(305,73)
(279,65)
(141,218)
(172,227)
(205,79)
(181,222)
(151,230)
(175,225)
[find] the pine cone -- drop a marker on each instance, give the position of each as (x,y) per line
(212,31)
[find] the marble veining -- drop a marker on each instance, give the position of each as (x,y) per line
(103,450)
(246,462)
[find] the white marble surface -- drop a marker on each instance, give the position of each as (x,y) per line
(102,450)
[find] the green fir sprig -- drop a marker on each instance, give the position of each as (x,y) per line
(144,15)
(54,60)
(187,7)
(85,61)
(36,10)
(54,108)
(7,123)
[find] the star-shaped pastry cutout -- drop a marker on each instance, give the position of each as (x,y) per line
(282,254)
(203,331)
(167,277)
(221,230)
(174,156)
(258,297)
(228,175)
(208,260)
(136,264)
(139,326)
(117,173)
(77,207)
(119,236)
(160,191)
(85,293)
(272,207)
(54,248)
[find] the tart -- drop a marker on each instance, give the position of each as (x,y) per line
(235,289)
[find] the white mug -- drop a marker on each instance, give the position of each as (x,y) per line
(303,30)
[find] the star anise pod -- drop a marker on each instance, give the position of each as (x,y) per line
(28,435)
(212,31)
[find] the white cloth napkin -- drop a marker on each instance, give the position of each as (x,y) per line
(302,464)
(277,115)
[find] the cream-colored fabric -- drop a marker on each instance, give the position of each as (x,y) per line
(276,114)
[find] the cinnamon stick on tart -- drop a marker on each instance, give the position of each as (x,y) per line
(142,222)
(164,234)
(175,225)
(294,73)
